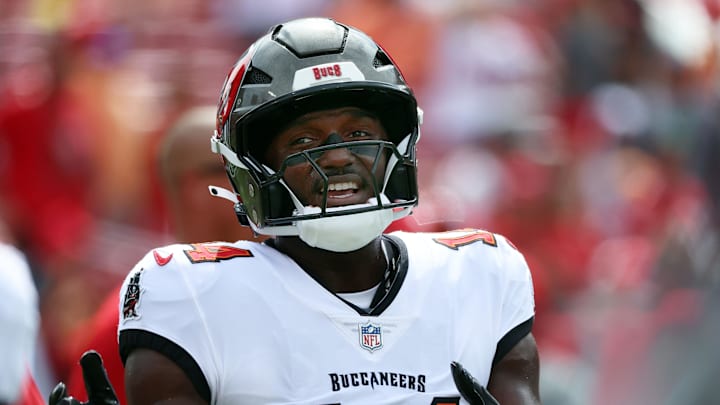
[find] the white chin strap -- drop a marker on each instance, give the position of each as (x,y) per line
(344,233)
(223,193)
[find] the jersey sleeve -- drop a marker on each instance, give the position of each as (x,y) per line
(517,297)
(159,310)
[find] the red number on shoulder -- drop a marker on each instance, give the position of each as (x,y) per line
(214,252)
(462,237)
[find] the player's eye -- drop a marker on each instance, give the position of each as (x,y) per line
(359,134)
(302,141)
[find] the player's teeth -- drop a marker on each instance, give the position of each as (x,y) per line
(342,186)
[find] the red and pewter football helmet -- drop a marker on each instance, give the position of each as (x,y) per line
(302,66)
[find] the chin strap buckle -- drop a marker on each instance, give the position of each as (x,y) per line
(241,214)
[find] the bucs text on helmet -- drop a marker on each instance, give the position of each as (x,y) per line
(298,67)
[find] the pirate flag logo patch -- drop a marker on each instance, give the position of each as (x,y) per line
(132,297)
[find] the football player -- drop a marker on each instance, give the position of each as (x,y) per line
(20,320)
(317,130)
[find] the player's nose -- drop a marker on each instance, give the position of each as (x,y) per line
(336,157)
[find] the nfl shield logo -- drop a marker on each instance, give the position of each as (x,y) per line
(371,337)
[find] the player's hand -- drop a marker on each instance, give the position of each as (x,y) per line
(469,388)
(98,388)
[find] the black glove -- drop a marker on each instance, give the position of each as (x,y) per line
(469,388)
(97,385)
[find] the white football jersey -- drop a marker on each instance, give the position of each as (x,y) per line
(19,320)
(253,328)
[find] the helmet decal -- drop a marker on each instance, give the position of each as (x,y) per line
(230,88)
(326,73)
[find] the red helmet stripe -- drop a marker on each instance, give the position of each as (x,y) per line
(230,89)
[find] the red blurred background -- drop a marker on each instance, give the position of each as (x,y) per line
(586,131)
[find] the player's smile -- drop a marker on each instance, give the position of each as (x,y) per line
(345,190)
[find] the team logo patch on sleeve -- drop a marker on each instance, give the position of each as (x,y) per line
(371,337)
(131,301)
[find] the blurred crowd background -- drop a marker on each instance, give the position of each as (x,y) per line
(586,131)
